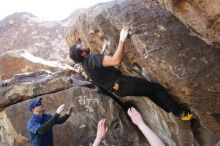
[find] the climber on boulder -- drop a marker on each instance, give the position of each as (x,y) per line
(101,70)
(40,125)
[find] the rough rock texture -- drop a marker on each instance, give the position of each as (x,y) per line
(21,61)
(23,86)
(80,129)
(160,48)
(201,16)
(39,37)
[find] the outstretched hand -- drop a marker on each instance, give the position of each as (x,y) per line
(124,33)
(102,129)
(60,108)
(137,119)
(135,116)
(70,110)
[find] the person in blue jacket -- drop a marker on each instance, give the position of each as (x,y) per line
(40,125)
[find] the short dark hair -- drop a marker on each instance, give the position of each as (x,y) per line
(75,54)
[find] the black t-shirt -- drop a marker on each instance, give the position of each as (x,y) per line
(103,76)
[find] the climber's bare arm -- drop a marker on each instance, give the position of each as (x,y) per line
(116,59)
(136,118)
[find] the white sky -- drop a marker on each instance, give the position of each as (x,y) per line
(47,9)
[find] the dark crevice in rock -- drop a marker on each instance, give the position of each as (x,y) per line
(141,71)
(216,44)
(23,98)
(217,117)
(204,136)
(115,124)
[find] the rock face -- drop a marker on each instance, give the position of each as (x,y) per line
(23,86)
(161,48)
(201,16)
(80,129)
(21,61)
(39,37)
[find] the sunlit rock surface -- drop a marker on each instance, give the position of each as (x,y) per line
(40,37)
(21,61)
(202,17)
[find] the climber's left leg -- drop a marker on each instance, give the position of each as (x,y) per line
(133,86)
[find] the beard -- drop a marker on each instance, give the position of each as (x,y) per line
(87,51)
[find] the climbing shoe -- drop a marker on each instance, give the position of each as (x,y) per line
(186,117)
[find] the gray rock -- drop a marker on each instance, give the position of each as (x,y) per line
(29,85)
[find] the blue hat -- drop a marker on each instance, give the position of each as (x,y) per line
(34,103)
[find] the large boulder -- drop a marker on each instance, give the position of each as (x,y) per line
(160,48)
(40,37)
(80,129)
(202,17)
(21,61)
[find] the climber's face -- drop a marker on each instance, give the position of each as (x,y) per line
(85,50)
(40,109)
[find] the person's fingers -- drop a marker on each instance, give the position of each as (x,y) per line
(103,123)
(105,126)
(99,124)
(129,112)
(126,29)
(132,109)
(62,106)
(71,107)
(136,112)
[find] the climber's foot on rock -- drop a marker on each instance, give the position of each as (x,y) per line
(187,114)
(186,117)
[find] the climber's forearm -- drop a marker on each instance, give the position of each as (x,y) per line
(116,59)
(97,142)
(119,53)
(153,139)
